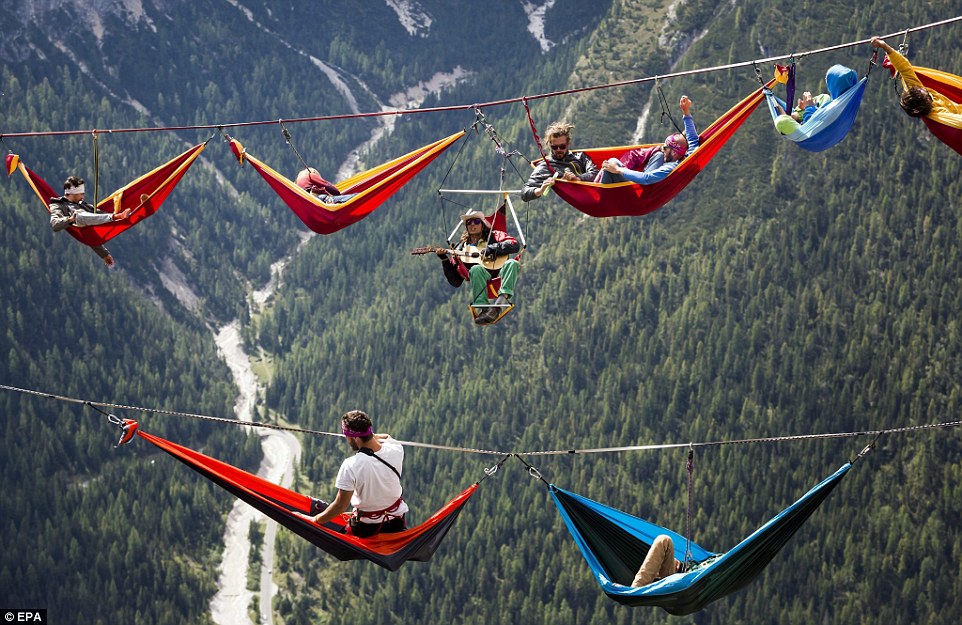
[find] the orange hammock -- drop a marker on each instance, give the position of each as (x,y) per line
(289,509)
(950,86)
(372,187)
(631,199)
(144,195)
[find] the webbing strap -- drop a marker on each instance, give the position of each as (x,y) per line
(537,139)
(370,452)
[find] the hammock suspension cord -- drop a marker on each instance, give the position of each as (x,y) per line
(518,454)
(514,100)
(666,109)
(537,138)
(690,467)
(96,170)
(287,138)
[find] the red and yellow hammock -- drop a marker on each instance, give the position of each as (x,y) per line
(372,187)
(144,195)
(631,199)
(950,86)
(387,550)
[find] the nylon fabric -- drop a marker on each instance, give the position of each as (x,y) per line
(629,199)
(615,543)
(156,185)
(830,123)
(950,86)
(372,187)
(390,551)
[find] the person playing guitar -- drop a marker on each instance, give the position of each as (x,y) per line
(478,256)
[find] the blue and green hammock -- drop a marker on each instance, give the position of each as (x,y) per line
(615,543)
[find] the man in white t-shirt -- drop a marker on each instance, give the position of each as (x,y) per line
(370,480)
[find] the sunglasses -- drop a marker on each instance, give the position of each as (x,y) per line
(474,221)
(561,146)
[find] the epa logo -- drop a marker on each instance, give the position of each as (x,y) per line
(25,616)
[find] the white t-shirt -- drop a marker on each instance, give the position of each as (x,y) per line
(375,485)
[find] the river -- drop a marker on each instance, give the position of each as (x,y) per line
(232,602)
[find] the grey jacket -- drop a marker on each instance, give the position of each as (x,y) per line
(576,162)
(86,215)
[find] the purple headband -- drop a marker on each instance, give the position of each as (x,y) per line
(675,145)
(349,433)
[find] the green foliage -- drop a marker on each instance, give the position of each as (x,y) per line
(782,293)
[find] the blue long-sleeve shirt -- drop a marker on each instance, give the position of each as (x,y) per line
(660,173)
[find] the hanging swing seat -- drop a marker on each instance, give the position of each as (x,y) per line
(630,199)
(615,543)
(286,507)
(830,123)
(144,195)
(494,285)
(499,221)
(370,188)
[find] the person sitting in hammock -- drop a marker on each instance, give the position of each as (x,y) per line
(653,164)
(311,181)
(370,480)
(787,123)
(560,163)
(659,563)
(70,209)
(916,100)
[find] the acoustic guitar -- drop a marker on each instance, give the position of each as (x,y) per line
(470,255)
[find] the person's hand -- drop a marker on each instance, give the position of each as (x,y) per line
(570,175)
(685,104)
(611,167)
(442,254)
(546,185)
(124,214)
(306,517)
(878,42)
(490,252)
(109,260)
(72,219)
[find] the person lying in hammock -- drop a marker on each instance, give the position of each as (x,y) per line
(916,100)
(659,563)
(70,209)
(311,181)
(653,164)
(370,480)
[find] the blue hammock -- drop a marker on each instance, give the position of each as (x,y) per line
(831,122)
(615,543)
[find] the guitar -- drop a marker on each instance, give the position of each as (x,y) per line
(470,255)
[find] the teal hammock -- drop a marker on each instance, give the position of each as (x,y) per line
(615,543)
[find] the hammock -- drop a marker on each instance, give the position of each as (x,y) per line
(830,123)
(615,543)
(372,187)
(144,195)
(950,86)
(630,199)
(387,550)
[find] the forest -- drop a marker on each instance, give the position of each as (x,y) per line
(782,293)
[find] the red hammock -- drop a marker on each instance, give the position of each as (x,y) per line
(372,187)
(630,199)
(144,195)
(950,86)
(387,550)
